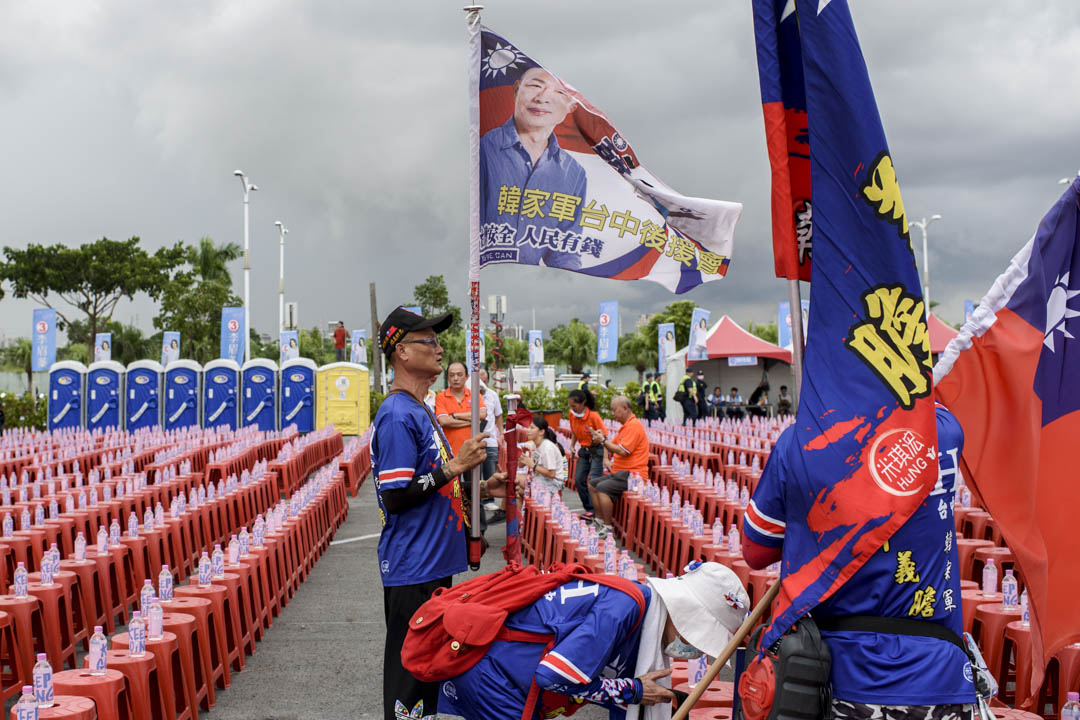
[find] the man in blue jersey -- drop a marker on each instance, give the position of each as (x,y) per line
(422,503)
(885,675)
(605,650)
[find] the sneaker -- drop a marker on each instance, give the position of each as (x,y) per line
(588,517)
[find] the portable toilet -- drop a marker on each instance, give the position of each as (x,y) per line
(105,395)
(66,380)
(343,397)
(144,385)
(258,405)
(221,390)
(182,394)
(297,406)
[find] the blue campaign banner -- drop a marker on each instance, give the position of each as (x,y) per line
(468,344)
(699,333)
(170,347)
(536,355)
(103,347)
(665,345)
(232,334)
(358,354)
(607,338)
(783,323)
(742,361)
(969,310)
(44,338)
(290,345)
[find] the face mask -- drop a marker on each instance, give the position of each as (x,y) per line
(578,414)
(679,649)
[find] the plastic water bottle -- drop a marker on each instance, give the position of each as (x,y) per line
(102,540)
(159,514)
(9,525)
(234,551)
(114,532)
(1009,588)
(1025,618)
(592,544)
(1071,709)
(148,519)
(145,595)
(734,543)
(610,556)
(165,583)
(245,541)
(217,563)
(99,644)
(990,578)
(46,569)
(136,635)
(718,533)
(80,547)
(20,581)
(155,620)
(43,681)
(204,570)
(27,707)
(626,566)
(133,524)
(25,524)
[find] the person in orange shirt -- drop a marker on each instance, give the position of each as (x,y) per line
(625,454)
(453,407)
(590,455)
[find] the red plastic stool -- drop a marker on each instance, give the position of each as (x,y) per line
(112,587)
(66,532)
(55,611)
(29,633)
(1015,663)
(226,621)
(67,707)
(1062,677)
(174,676)
(93,596)
(205,641)
(718,695)
(710,713)
(11,658)
(988,630)
(73,596)
(38,540)
(126,580)
(965,548)
(1003,559)
(108,691)
(142,681)
(239,596)
(970,600)
(140,559)
(22,546)
(266,599)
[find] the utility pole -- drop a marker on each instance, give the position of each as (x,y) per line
(375,345)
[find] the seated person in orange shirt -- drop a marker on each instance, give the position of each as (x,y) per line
(453,407)
(625,454)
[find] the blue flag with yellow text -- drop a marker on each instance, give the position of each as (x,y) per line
(861,456)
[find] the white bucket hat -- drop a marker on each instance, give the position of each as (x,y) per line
(707,604)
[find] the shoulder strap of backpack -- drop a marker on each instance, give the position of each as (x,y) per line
(893,626)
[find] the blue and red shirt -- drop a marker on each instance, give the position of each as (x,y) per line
(596,630)
(916,574)
(426,542)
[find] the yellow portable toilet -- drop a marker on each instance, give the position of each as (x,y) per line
(343,397)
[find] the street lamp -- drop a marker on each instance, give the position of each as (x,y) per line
(248,188)
(281,275)
(922,225)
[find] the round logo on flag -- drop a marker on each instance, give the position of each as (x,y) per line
(902,462)
(233,325)
(41,327)
(605,319)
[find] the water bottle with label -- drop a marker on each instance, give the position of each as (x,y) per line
(165,583)
(204,570)
(610,556)
(734,543)
(114,532)
(27,707)
(245,541)
(159,514)
(46,572)
(217,563)
(20,581)
(718,533)
(136,635)
(989,578)
(133,524)
(155,620)
(258,532)
(9,526)
(93,497)
(626,566)
(25,524)
(234,551)
(1009,590)
(99,645)
(1025,618)
(80,547)
(69,504)
(102,540)
(43,681)
(1071,709)
(146,595)
(39,515)
(54,509)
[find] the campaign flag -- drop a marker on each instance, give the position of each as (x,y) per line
(482,353)
(232,334)
(861,456)
(536,355)
(665,345)
(358,354)
(699,335)
(1011,378)
(783,101)
(44,338)
(607,336)
(170,347)
(103,347)
(969,311)
(559,186)
(290,345)
(783,324)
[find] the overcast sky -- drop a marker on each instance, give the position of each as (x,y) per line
(128,118)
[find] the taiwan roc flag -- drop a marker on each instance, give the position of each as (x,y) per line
(862,454)
(1012,378)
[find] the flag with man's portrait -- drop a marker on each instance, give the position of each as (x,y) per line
(561,187)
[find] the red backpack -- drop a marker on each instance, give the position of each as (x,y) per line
(456,626)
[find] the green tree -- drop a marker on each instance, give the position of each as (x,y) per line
(639,350)
(315,346)
(573,345)
(128,342)
(769,332)
(434,299)
(91,278)
(209,261)
(18,357)
(192,307)
(678,312)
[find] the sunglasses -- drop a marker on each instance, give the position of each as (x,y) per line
(433,341)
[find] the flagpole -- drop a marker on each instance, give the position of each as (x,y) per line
(472,21)
(797,340)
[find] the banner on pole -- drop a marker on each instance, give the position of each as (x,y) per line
(359,347)
(783,323)
(170,347)
(536,355)
(699,333)
(475,349)
(103,347)
(742,361)
(232,334)
(44,338)
(559,186)
(290,345)
(607,336)
(665,345)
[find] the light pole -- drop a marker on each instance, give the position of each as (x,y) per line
(281,275)
(922,225)
(248,188)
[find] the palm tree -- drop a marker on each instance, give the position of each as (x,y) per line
(20,354)
(209,261)
(638,350)
(573,345)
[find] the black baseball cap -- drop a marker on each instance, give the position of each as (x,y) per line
(400,322)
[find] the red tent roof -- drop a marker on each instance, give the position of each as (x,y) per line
(727,339)
(940,334)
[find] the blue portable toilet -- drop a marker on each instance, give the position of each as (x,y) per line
(144,389)
(182,394)
(66,381)
(105,395)
(221,391)
(298,394)
(259,404)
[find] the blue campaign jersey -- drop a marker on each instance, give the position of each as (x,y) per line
(426,542)
(593,659)
(915,575)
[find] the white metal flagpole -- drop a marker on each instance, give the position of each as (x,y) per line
(797,340)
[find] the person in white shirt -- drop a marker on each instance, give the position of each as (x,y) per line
(545,459)
(492,425)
